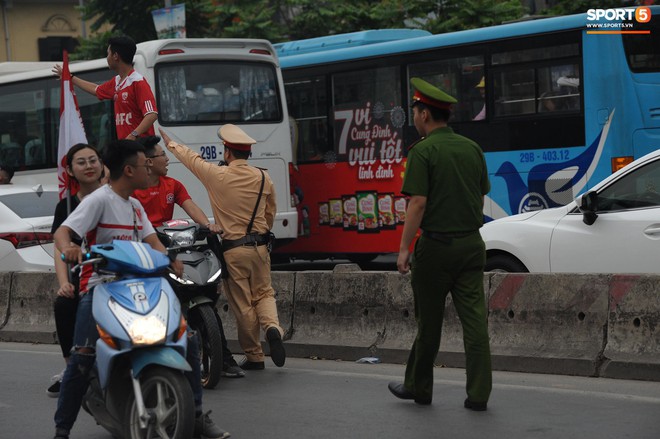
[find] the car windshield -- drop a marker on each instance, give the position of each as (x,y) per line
(31,204)
(638,189)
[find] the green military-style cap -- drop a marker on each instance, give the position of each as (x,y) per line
(431,95)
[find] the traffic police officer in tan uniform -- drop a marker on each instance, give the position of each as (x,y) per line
(234,193)
(446,178)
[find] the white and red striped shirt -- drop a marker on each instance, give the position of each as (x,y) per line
(133,99)
(103,216)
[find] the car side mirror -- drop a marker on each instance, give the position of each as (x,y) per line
(589,207)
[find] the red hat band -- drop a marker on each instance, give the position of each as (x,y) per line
(418,97)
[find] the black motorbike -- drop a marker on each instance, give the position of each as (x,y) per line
(197,289)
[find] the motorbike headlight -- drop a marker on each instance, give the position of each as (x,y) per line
(183,237)
(215,276)
(182,280)
(144,329)
(147,330)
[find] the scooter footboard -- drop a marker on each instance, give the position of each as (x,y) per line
(164,356)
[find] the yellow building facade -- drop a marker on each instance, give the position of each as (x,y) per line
(38,30)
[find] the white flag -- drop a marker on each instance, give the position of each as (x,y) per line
(72,130)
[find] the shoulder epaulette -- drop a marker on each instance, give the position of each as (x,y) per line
(415,143)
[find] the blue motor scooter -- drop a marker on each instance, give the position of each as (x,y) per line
(138,389)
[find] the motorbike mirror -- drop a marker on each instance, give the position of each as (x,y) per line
(589,207)
(164,238)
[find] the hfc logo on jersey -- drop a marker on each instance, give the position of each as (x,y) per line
(123,119)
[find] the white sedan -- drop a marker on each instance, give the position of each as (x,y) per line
(613,228)
(26,216)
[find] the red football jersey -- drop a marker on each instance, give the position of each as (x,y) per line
(158,201)
(133,100)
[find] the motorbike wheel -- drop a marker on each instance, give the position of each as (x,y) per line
(203,321)
(168,399)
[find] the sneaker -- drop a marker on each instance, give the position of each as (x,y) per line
(277,352)
(206,428)
(232,371)
(54,389)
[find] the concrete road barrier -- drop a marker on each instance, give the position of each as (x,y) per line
(591,325)
(5,288)
(551,323)
(633,330)
(338,314)
(30,310)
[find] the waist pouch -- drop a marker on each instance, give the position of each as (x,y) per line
(253,239)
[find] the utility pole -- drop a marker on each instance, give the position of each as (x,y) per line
(82,20)
(6,4)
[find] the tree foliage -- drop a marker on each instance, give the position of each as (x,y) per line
(568,7)
(133,18)
(471,14)
(284,20)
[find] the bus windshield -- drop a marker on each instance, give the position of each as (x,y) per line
(210,92)
(643,50)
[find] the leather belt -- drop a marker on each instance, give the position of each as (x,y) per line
(253,239)
(444,236)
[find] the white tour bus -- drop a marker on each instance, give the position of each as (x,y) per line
(199,85)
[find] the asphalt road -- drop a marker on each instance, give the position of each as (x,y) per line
(330,399)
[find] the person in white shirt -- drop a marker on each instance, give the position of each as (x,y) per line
(107,214)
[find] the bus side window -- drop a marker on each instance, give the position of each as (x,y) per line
(35,154)
(559,88)
(514,92)
(10,154)
(365,102)
(461,78)
(306,100)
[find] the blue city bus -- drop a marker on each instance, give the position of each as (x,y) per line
(556,105)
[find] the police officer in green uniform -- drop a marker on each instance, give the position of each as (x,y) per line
(446,178)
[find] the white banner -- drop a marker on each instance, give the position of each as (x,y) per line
(72,130)
(170,22)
